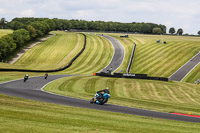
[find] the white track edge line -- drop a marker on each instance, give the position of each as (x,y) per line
(114,52)
(112,55)
(189,72)
(17,80)
(184,65)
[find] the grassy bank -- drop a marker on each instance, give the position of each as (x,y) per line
(193,76)
(52,53)
(58,51)
(159,59)
(96,56)
(22,116)
(153,95)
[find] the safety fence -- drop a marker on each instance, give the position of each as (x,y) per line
(133,76)
(131,59)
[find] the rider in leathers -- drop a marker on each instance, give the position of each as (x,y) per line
(100,93)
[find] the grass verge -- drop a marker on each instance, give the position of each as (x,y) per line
(146,94)
(22,116)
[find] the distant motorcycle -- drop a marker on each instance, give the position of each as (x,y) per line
(25,78)
(45,76)
(103,98)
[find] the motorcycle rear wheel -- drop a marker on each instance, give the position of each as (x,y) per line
(92,101)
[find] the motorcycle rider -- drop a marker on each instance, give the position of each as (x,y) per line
(25,77)
(46,75)
(100,93)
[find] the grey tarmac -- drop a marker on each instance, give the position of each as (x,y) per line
(182,72)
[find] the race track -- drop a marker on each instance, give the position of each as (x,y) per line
(181,73)
(118,57)
(32,89)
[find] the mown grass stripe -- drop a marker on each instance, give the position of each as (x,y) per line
(93,63)
(97,54)
(80,63)
(152,63)
(90,57)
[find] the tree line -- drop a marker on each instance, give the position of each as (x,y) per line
(28,29)
(63,24)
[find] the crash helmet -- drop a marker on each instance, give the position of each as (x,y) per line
(107,88)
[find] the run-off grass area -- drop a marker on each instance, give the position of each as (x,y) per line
(159,59)
(97,55)
(4,32)
(147,94)
(22,116)
(53,53)
(193,76)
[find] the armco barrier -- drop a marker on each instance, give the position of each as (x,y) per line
(133,76)
(131,59)
(53,70)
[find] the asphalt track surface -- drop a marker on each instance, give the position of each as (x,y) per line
(181,73)
(32,89)
(118,57)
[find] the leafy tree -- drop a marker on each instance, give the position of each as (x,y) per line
(7,46)
(15,25)
(172,30)
(21,37)
(157,31)
(180,32)
(32,32)
(198,32)
(3,23)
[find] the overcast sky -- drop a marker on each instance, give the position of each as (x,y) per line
(172,13)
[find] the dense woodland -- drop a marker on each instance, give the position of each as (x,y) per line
(28,29)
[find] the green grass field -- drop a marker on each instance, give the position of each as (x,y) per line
(22,116)
(159,59)
(58,51)
(4,32)
(146,94)
(96,56)
(150,58)
(52,53)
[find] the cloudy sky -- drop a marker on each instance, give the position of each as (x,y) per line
(172,13)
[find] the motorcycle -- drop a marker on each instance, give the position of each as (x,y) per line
(45,76)
(25,78)
(103,98)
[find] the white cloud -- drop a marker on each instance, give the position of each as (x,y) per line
(173,13)
(2,11)
(27,13)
